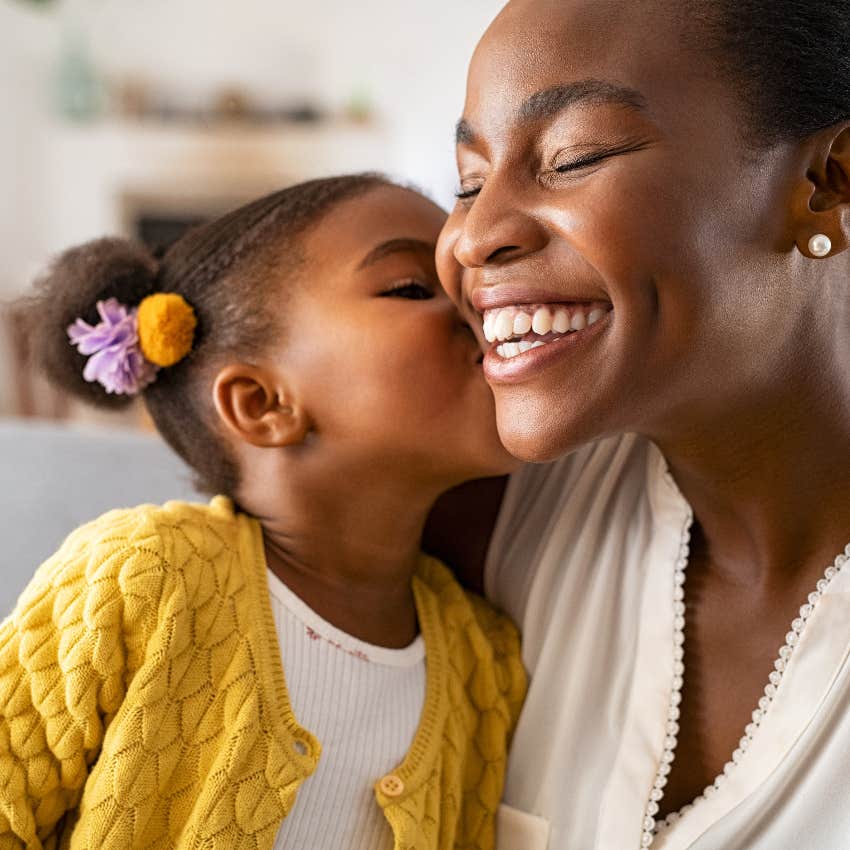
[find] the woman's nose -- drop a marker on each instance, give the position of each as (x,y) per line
(497,229)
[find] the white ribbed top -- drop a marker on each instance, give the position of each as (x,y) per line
(363,703)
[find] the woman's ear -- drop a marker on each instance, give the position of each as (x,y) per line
(257,407)
(822,203)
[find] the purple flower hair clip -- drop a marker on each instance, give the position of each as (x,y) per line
(116,360)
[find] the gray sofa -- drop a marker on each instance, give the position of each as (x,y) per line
(55,477)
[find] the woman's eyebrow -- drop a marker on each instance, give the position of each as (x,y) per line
(548,103)
(396,246)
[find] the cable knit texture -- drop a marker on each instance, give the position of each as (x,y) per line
(143,703)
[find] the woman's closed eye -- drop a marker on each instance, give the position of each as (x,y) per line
(576,163)
(592,155)
(412,289)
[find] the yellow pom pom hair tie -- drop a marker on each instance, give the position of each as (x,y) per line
(166,323)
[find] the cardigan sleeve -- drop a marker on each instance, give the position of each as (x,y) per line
(67,653)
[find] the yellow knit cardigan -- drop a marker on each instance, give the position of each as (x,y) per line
(143,702)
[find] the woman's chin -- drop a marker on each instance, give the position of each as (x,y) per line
(538,440)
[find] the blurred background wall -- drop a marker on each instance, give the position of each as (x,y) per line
(141,116)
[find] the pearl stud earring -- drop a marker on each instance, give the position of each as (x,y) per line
(820,245)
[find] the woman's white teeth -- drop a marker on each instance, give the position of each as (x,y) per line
(541,324)
(522,324)
(511,349)
(488,326)
(561,322)
(504,325)
(509,325)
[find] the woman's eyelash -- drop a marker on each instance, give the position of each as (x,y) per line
(412,289)
(597,156)
(583,162)
(574,165)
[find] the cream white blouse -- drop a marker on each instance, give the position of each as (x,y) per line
(585,558)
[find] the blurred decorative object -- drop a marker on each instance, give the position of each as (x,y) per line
(131,98)
(79,93)
(302,113)
(228,106)
(359,107)
(233,104)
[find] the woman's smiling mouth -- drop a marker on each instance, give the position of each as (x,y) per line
(522,327)
(525,338)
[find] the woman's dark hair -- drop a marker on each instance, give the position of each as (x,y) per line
(225,269)
(789,60)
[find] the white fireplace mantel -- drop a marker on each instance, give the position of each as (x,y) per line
(98,176)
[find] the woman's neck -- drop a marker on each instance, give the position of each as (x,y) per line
(769,484)
(349,550)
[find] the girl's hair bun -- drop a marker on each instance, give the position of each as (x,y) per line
(70,289)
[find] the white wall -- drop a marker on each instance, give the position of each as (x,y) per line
(409,55)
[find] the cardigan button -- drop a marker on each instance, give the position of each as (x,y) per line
(392,786)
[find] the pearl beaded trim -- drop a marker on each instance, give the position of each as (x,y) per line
(650,826)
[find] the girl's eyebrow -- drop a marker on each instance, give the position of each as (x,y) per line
(548,103)
(397,246)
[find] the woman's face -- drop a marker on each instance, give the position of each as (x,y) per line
(386,367)
(613,226)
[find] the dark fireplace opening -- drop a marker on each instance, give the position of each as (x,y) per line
(159,231)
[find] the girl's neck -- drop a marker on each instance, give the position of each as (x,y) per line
(349,551)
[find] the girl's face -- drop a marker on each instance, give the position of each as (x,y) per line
(385,366)
(608,197)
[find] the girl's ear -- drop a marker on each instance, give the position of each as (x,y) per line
(257,407)
(822,201)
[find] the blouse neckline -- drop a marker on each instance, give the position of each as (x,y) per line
(810,674)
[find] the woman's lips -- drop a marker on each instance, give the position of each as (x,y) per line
(536,352)
(492,297)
